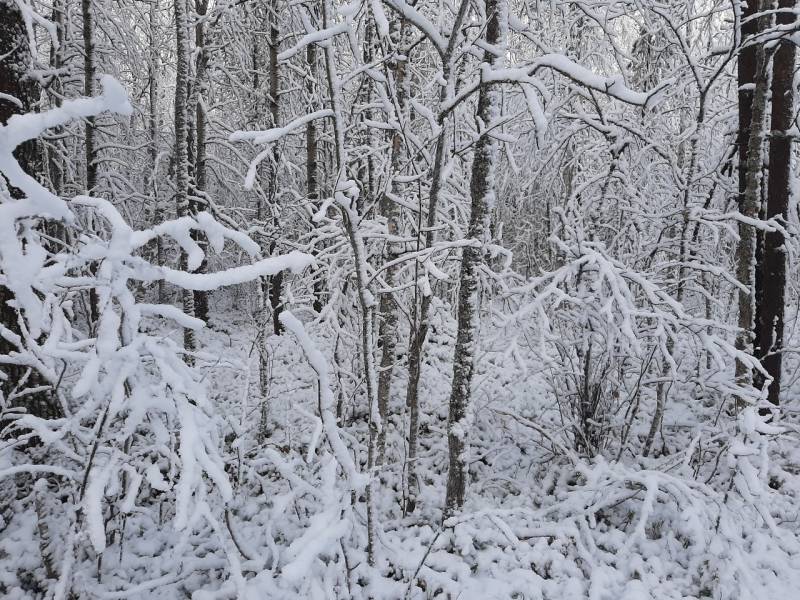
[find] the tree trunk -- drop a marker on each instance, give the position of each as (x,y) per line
(263,282)
(750,203)
(181,150)
(388,307)
(419,320)
(89,129)
(312,185)
(771,285)
(14,83)
(55,158)
(275,281)
(482,192)
(746,79)
(198,200)
(351,220)
(88,90)
(152,125)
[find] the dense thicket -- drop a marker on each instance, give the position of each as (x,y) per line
(394,298)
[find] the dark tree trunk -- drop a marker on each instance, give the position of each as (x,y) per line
(746,75)
(312,185)
(88,90)
(15,61)
(198,200)
(771,278)
(275,281)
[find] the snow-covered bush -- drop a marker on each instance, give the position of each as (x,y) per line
(133,419)
(614,340)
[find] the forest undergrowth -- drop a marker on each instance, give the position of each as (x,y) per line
(712,515)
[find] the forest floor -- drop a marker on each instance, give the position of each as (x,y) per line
(696,521)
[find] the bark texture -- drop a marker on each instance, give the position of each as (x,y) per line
(389,209)
(749,204)
(198,200)
(181,150)
(482,193)
(771,284)
(421,310)
(275,281)
(15,60)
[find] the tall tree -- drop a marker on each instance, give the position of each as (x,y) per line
(750,200)
(90,149)
(421,308)
(198,166)
(312,181)
(181,150)
(153,131)
(388,309)
(18,94)
(275,281)
(88,90)
(482,194)
(771,284)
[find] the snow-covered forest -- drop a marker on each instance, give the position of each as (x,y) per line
(399,299)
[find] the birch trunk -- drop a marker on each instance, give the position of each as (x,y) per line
(89,129)
(388,307)
(181,150)
(749,205)
(482,193)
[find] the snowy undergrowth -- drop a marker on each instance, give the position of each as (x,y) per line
(715,519)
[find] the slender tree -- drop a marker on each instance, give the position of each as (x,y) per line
(391,211)
(421,308)
(482,193)
(153,130)
(181,150)
(275,281)
(89,76)
(90,150)
(312,181)
(198,166)
(750,202)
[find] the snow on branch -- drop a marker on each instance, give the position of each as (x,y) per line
(21,128)
(131,387)
(294,261)
(19,264)
(613,86)
(269,136)
(419,21)
(315,37)
(326,400)
(273,135)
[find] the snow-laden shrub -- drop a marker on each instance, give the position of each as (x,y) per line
(616,342)
(134,426)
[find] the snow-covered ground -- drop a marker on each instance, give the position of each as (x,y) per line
(538,524)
